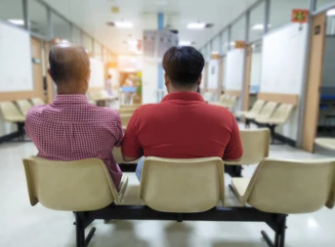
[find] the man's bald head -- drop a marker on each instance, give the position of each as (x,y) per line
(69,66)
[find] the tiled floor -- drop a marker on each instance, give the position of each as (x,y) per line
(23,225)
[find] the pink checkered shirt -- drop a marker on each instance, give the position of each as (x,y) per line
(72,129)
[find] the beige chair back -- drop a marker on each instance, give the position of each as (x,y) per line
(125,118)
(282,113)
(130,106)
(231,102)
(182,185)
(291,187)
(256,145)
(24,106)
(257,107)
(37,101)
(82,185)
(126,111)
(267,110)
(10,112)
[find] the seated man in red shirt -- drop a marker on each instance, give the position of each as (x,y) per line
(182,125)
(71,128)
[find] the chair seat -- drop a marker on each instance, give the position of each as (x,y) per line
(240,186)
(262,120)
(328,143)
(15,119)
(250,115)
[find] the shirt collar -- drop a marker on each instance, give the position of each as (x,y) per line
(71,99)
(184,96)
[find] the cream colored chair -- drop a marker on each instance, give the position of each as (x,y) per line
(279,117)
(125,118)
(24,106)
(37,101)
(287,187)
(254,111)
(265,113)
(77,186)
(11,113)
(130,106)
(256,145)
(126,111)
(328,143)
(223,100)
(182,185)
(231,102)
(117,155)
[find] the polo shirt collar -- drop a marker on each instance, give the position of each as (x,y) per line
(185,96)
(70,99)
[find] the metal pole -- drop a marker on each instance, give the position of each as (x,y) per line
(303,93)
(229,38)
(220,43)
(26,14)
(266,16)
(49,23)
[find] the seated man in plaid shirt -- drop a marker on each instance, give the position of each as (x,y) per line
(70,128)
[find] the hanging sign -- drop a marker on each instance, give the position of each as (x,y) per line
(239,44)
(300,15)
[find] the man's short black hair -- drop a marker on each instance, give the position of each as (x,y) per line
(69,65)
(183,65)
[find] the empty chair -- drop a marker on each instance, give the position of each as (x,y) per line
(256,108)
(182,185)
(328,143)
(24,106)
(37,101)
(126,111)
(287,187)
(230,102)
(265,113)
(256,145)
(77,186)
(279,117)
(130,106)
(11,113)
(125,118)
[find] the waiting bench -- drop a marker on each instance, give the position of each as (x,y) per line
(181,190)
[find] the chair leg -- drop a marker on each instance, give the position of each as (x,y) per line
(80,232)
(279,234)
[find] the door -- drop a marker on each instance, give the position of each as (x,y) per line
(314,82)
(36,53)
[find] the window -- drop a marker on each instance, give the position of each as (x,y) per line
(61,28)
(225,42)
(238,31)
(38,18)
(281,11)
(256,28)
(76,36)
(12,10)
(322,3)
(97,51)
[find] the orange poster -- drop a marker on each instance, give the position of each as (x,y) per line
(300,15)
(239,44)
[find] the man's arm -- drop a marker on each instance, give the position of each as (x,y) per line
(234,149)
(131,147)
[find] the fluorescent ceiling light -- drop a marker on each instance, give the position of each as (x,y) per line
(124,24)
(18,22)
(185,43)
(259,27)
(331,12)
(196,25)
(215,52)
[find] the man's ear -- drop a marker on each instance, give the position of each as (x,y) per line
(199,80)
(49,72)
(167,80)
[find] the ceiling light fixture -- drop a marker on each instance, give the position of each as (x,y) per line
(185,43)
(259,27)
(18,22)
(196,25)
(124,24)
(331,12)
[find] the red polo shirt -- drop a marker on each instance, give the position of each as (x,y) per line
(183,125)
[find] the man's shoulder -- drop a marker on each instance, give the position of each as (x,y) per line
(147,108)
(37,110)
(104,113)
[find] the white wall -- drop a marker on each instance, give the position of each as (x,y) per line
(97,79)
(213,74)
(234,72)
(256,67)
(149,80)
(283,67)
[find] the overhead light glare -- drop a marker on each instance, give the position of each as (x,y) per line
(196,25)
(18,22)
(185,43)
(331,12)
(259,27)
(124,24)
